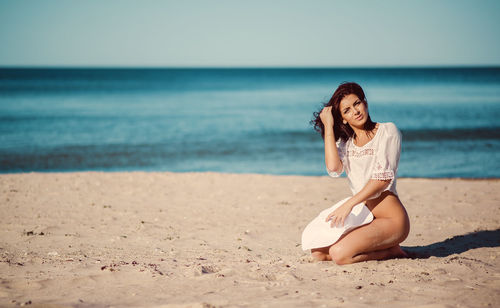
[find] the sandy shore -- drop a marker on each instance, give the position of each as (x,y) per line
(226,240)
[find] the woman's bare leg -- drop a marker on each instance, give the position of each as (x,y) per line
(375,241)
(389,253)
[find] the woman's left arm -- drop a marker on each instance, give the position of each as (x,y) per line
(371,188)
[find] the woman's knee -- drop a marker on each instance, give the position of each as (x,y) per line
(339,255)
(402,231)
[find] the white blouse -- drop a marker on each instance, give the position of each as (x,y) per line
(378,159)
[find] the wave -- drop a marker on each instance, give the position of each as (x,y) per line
(262,151)
(479,133)
(425,134)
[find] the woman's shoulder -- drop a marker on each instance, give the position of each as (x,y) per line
(388,125)
(390,128)
(340,142)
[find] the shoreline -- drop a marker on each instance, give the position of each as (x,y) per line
(235,173)
(165,239)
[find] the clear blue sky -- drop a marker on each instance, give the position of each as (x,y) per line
(250,33)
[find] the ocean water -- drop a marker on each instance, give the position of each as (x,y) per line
(240,120)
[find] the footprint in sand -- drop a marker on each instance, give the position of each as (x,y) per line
(204,270)
(21,285)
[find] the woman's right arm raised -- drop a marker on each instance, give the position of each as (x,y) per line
(332,159)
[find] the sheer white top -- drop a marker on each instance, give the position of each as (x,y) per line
(378,159)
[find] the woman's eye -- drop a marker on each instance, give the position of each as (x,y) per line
(356,103)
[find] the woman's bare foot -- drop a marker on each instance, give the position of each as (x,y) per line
(397,252)
(320,256)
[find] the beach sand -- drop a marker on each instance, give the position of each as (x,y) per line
(233,240)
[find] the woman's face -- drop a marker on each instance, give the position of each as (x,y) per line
(353,110)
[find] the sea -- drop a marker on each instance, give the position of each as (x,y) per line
(240,120)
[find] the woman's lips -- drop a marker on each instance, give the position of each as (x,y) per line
(359,117)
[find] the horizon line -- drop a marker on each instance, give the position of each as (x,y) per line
(446,66)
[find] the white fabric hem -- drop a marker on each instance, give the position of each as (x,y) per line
(383,176)
(334,174)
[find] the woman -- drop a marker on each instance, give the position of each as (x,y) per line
(369,154)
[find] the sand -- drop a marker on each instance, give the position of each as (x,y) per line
(233,240)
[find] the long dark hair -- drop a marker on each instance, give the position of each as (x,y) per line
(341,130)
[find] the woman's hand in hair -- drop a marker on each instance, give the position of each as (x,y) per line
(326,116)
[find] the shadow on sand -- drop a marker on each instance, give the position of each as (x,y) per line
(455,245)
